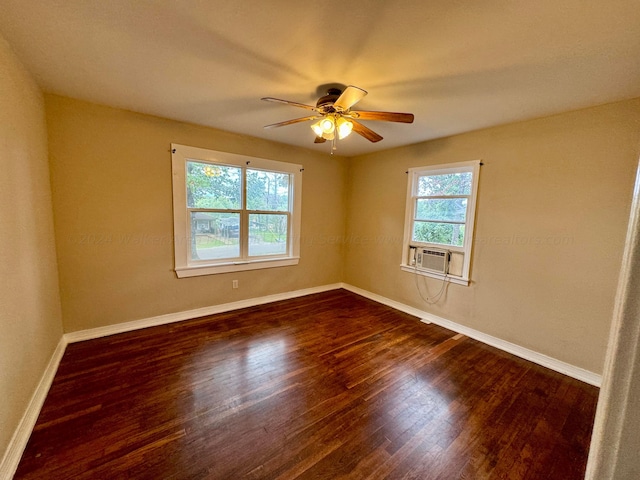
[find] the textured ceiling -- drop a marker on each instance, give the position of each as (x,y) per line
(457,65)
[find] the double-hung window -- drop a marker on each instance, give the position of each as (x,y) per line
(440,213)
(233,212)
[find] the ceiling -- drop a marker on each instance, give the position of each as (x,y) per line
(458,65)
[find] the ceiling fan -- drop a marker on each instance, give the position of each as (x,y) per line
(335,119)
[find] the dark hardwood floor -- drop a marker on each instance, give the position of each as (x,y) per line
(326,386)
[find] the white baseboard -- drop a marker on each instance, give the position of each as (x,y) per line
(531,355)
(18,442)
(92,333)
(522,352)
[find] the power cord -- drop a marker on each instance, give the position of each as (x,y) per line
(438,296)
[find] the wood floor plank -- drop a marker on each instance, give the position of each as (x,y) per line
(327,386)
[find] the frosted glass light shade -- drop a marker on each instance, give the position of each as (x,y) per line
(344,127)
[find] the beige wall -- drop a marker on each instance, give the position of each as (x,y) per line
(111,180)
(553,206)
(30,321)
(552,212)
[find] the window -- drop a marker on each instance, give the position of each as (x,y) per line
(233,212)
(440,211)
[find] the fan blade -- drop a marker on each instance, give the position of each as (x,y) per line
(349,98)
(320,140)
(366,132)
(289,122)
(287,102)
(386,116)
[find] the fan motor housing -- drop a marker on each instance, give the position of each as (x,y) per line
(325,104)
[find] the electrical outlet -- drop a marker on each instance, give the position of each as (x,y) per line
(234,283)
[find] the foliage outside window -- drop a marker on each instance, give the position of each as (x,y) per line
(233,212)
(440,211)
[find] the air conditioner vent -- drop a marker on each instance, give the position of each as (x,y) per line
(433,260)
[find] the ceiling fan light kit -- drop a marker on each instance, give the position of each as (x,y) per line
(327,126)
(324,127)
(333,114)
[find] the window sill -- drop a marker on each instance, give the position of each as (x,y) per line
(424,273)
(213,269)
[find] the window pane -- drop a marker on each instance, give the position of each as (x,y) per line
(453,210)
(442,233)
(213,186)
(214,235)
(267,191)
(447,184)
(267,234)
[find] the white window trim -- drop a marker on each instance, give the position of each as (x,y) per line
(181,228)
(413,174)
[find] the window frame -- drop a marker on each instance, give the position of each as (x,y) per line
(410,213)
(184,265)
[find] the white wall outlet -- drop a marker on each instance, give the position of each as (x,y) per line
(234,283)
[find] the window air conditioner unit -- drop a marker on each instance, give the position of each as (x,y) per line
(432,259)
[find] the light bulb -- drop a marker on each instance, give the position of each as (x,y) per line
(327,125)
